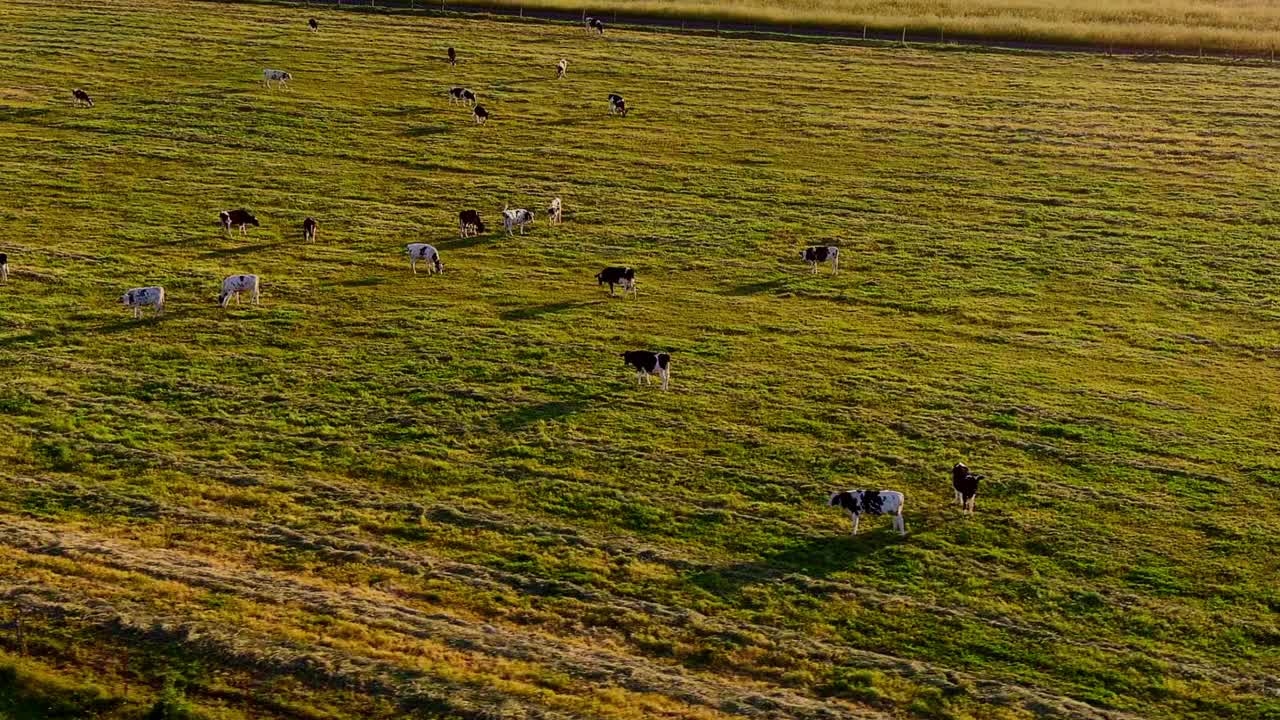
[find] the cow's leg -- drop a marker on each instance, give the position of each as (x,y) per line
(666,377)
(835,265)
(256,296)
(855,523)
(900,523)
(137,312)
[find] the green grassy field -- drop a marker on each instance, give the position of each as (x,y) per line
(381,495)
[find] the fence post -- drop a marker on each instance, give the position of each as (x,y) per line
(904,37)
(942,36)
(864,32)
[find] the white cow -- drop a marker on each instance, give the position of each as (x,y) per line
(425,253)
(554,211)
(277,76)
(871,502)
(562,67)
(4,268)
(236,284)
(518,217)
(139,298)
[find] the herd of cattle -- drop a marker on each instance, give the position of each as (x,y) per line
(646,363)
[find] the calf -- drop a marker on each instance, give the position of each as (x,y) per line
(480,114)
(139,298)
(453,57)
(469,224)
(516,218)
(314,25)
(647,364)
(871,502)
(236,284)
(426,253)
(624,276)
(4,268)
(277,76)
(965,484)
(462,95)
(241,218)
(555,212)
(617,105)
(561,68)
(822,253)
(81,97)
(309,227)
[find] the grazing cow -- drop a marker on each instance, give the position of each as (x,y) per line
(516,218)
(462,95)
(587,22)
(561,68)
(595,24)
(453,57)
(649,363)
(555,212)
(236,284)
(277,76)
(81,97)
(822,253)
(139,298)
(965,484)
(871,502)
(426,253)
(469,224)
(309,227)
(617,105)
(624,276)
(240,217)
(480,114)
(4,268)
(314,24)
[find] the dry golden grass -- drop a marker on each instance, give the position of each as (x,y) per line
(1239,26)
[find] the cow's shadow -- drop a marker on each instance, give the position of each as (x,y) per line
(755,288)
(241,250)
(460,243)
(546,411)
(813,557)
(536,311)
(425,130)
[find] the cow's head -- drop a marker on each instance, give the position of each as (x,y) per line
(480,228)
(286,76)
(251,220)
(127,299)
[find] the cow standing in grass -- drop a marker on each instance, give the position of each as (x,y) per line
(314,25)
(138,298)
(480,114)
(871,502)
(562,67)
(621,276)
(81,97)
(240,218)
(470,224)
(820,254)
(279,77)
(965,484)
(453,57)
(309,227)
(4,268)
(236,284)
(425,253)
(648,364)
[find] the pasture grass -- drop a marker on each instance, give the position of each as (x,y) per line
(386,495)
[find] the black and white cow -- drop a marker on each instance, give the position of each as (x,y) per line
(314,25)
(309,227)
(453,57)
(617,105)
(4,268)
(236,284)
(624,276)
(241,218)
(279,77)
(138,298)
(425,253)
(595,24)
(480,114)
(648,364)
(871,502)
(82,97)
(820,254)
(469,224)
(555,211)
(562,67)
(965,484)
(517,217)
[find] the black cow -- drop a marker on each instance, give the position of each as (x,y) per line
(595,24)
(965,484)
(82,97)
(649,363)
(4,268)
(309,229)
(453,57)
(314,24)
(241,218)
(820,254)
(469,224)
(624,276)
(480,114)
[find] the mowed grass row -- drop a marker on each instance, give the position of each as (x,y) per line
(386,494)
